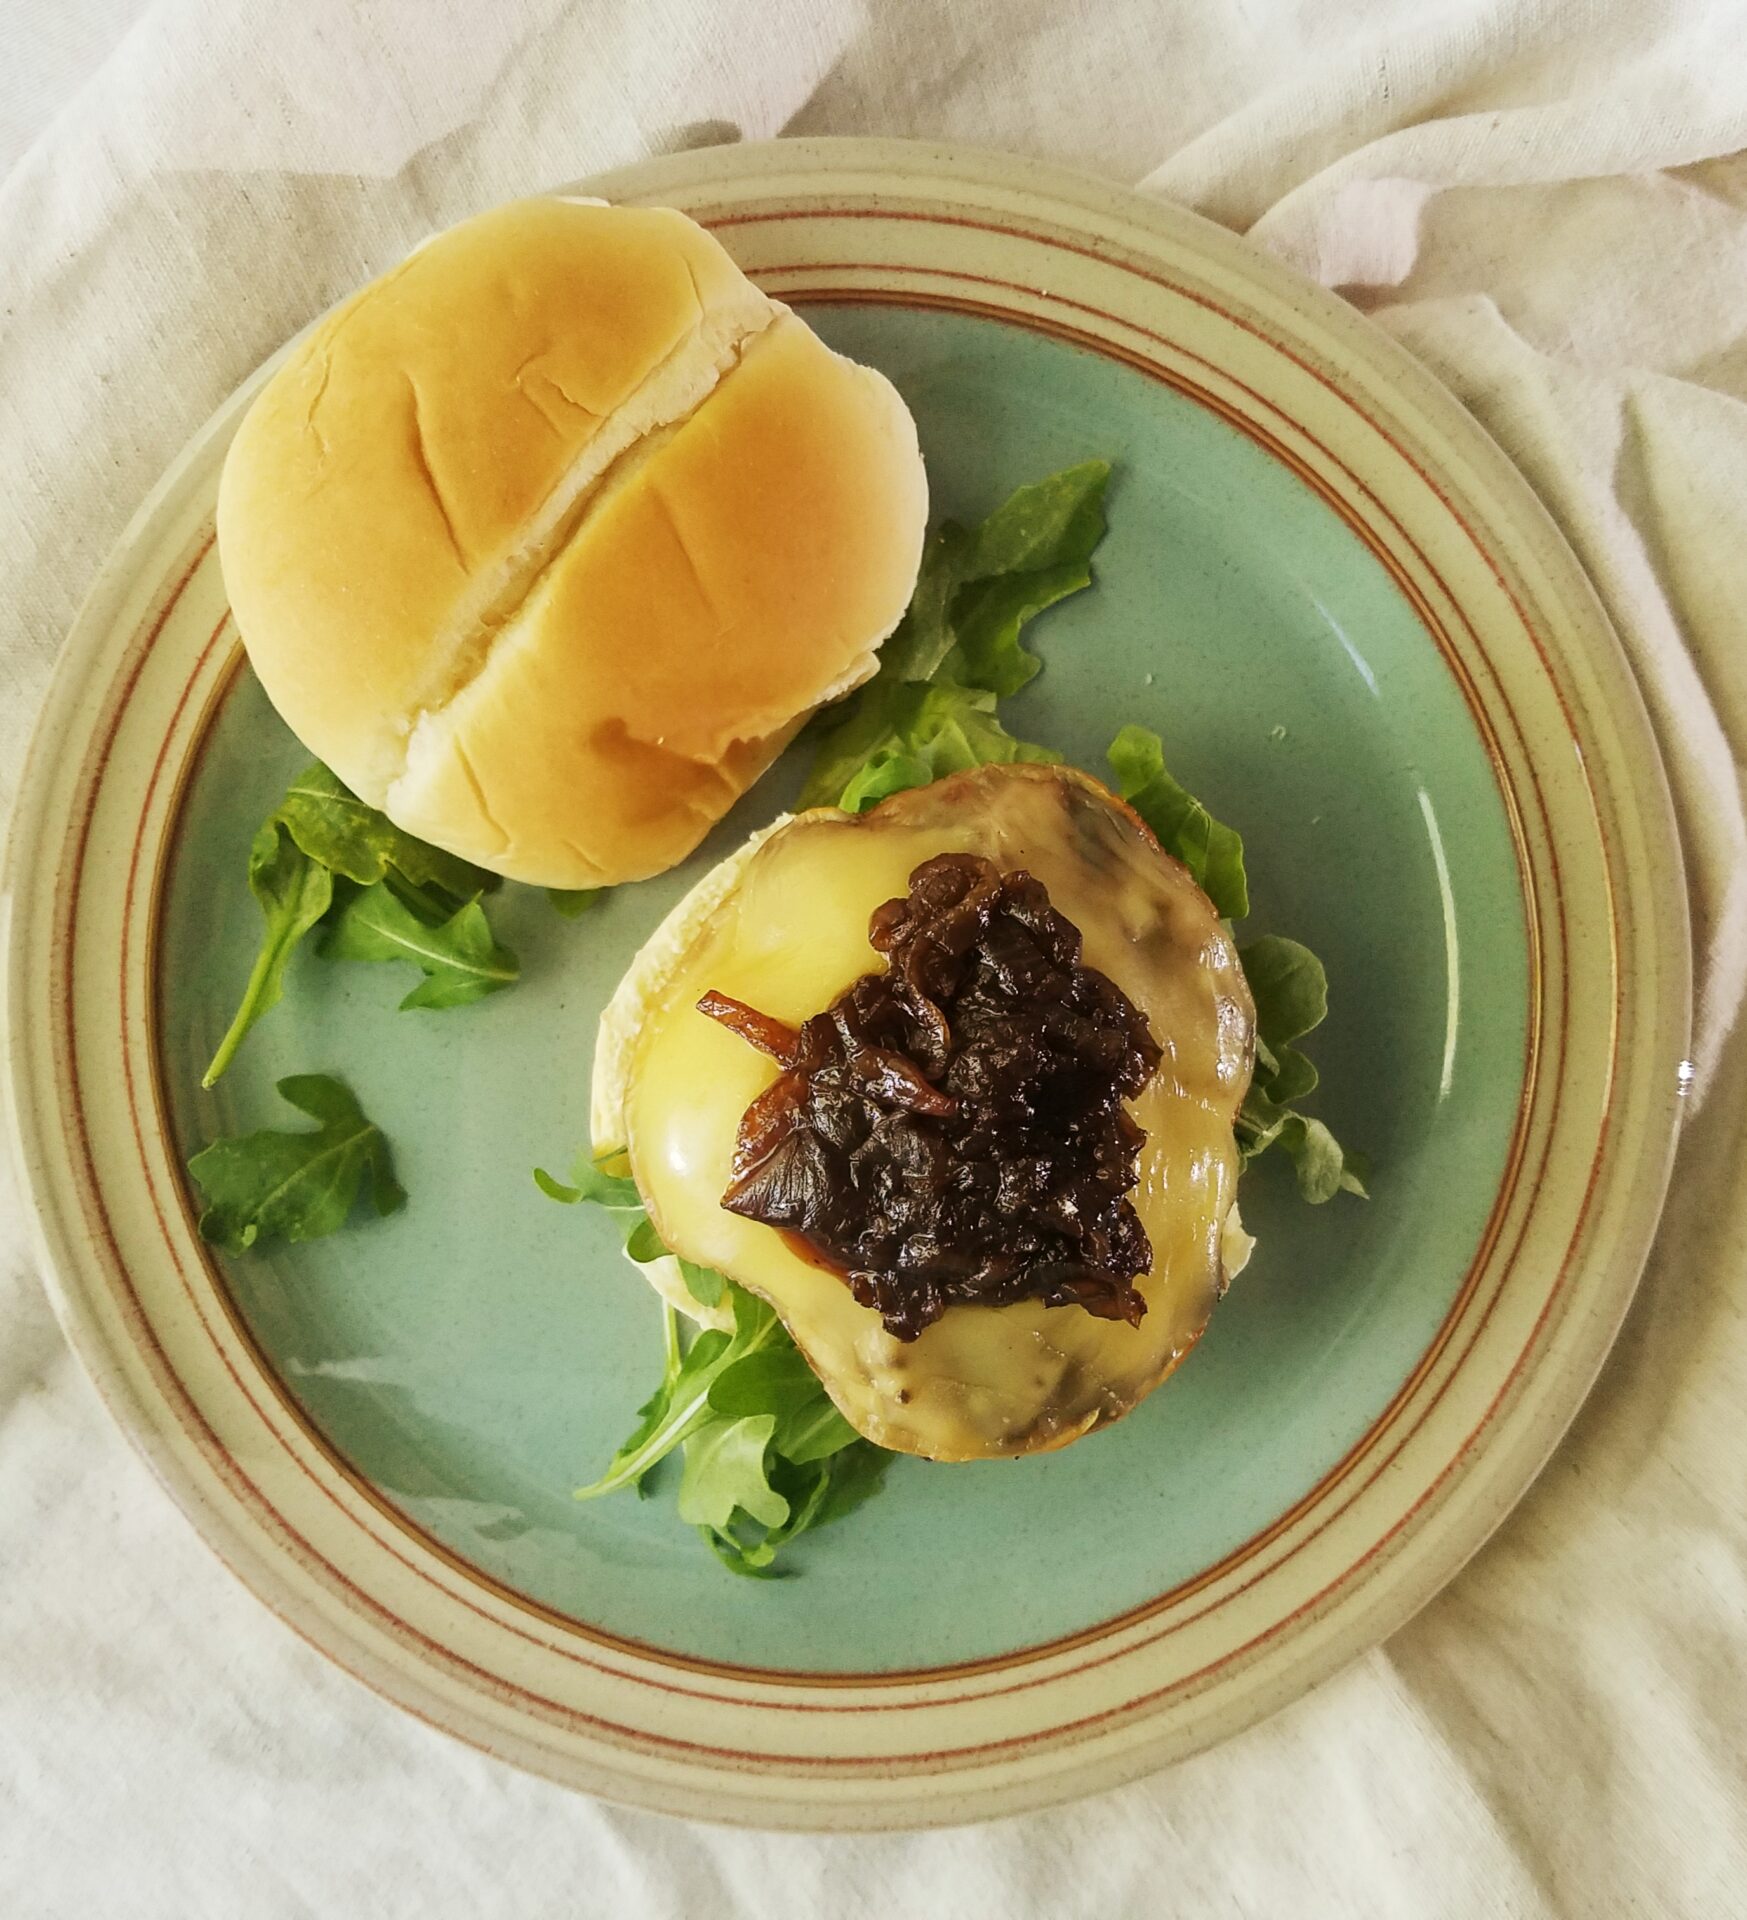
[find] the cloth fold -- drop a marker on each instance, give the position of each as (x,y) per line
(1544,201)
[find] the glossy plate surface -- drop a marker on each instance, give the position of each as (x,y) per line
(1363,644)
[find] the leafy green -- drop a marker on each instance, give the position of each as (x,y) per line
(931,708)
(1323,1166)
(642,1243)
(296,1186)
(1286,980)
(765,1454)
(779,1381)
(574,902)
(294,892)
(643,1247)
(317,849)
(684,1402)
(816,1494)
(1290,989)
(725,1471)
(460,960)
(1214,854)
(594,1184)
(1048,524)
(349,837)
(989,614)
(931,731)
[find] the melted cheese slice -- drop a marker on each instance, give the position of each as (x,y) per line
(787,933)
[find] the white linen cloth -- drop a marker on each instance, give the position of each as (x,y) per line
(1545,199)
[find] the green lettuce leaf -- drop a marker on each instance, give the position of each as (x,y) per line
(929,732)
(349,837)
(460,960)
(1286,980)
(765,1454)
(573,902)
(1214,854)
(988,616)
(296,1186)
(294,892)
(931,708)
(323,856)
(1290,989)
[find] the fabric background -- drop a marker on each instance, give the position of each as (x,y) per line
(1544,199)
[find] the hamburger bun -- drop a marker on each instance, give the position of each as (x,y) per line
(781,924)
(547,541)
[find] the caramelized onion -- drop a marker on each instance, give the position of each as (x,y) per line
(953,1128)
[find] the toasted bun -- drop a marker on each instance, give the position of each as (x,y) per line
(649,985)
(547,541)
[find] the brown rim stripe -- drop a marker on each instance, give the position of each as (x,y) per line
(1248,1549)
(1097,1632)
(570,1624)
(1184,1682)
(570,1716)
(1164,376)
(194,1423)
(1067,244)
(896,1761)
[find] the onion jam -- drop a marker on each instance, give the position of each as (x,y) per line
(952,1129)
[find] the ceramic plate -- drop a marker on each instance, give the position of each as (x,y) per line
(1363,643)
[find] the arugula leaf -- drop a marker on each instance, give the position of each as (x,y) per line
(349,837)
(779,1381)
(574,902)
(1214,854)
(1323,1166)
(725,1472)
(685,1407)
(766,1455)
(931,708)
(642,1243)
(706,1286)
(1286,980)
(594,1184)
(649,1414)
(294,892)
(321,831)
(817,1493)
(932,731)
(460,960)
(296,1186)
(1290,989)
(643,1248)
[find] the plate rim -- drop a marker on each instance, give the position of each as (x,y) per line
(795,163)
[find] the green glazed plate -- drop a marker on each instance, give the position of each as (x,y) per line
(1363,643)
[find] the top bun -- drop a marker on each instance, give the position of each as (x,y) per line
(548,540)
